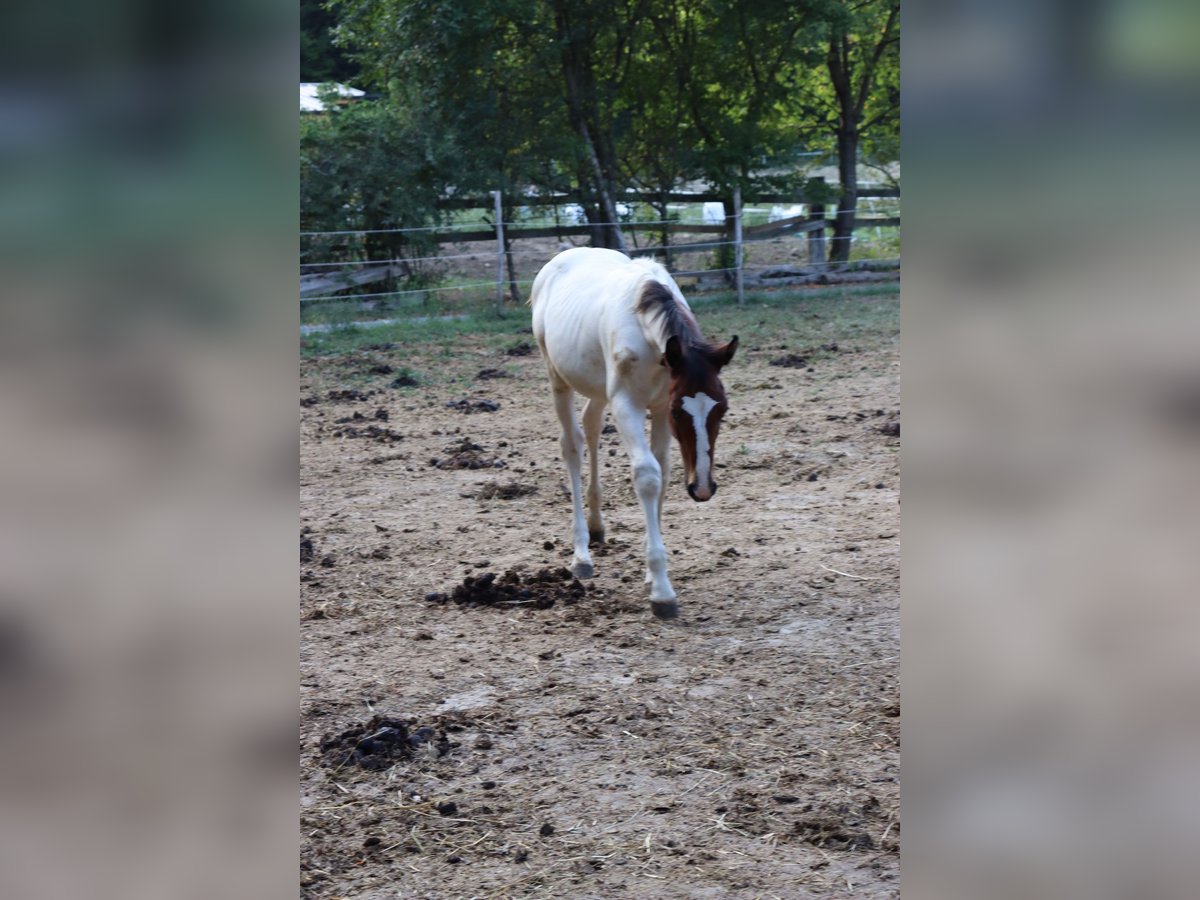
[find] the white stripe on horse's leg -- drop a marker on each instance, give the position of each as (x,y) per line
(593,421)
(572,450)
(660,446)
(647,482)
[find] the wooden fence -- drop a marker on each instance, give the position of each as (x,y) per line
(730,233)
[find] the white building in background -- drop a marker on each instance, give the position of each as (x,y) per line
(785,212)
(310,102)
(714,213)
(573,214)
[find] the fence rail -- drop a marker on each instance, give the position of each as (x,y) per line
(758,232)
(652,198)
(329,285)
(316,285)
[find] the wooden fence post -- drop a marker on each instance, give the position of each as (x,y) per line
(737,243)
(816,236)
(499,207)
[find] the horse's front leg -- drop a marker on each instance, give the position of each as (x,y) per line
(572,450)
(648,483)
(660,445)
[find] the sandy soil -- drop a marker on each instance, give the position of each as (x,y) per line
(584,748)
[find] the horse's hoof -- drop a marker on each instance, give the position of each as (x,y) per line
(596,538)
(664,609)
(583,570)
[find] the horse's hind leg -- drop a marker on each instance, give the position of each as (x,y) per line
(572,449)
(593,421)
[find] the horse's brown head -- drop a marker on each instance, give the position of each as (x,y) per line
(697,406)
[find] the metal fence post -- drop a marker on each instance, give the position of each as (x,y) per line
(499,207)
(737,243)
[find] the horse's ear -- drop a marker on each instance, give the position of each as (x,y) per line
(673,355)
(725,354)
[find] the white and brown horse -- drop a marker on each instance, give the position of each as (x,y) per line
(619,332)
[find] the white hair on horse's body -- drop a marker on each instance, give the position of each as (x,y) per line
(619,332)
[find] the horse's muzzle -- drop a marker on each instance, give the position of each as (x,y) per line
(695,492)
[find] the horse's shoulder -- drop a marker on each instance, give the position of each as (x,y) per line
(625,359)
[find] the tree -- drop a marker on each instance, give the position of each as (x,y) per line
(371,166)
(861,53)
(598,43)
(739,65)
(731,67)
(587,97)
(481,77)
(320,59)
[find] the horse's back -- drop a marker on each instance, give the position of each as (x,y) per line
(562,278)
(583,312)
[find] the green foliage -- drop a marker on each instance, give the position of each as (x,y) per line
(320,59)
(818,190)
(370,166)
(584,96)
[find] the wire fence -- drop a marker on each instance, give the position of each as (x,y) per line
(550,221)
(446,257)
(350,264)
(435,289)
(855,265)
(331,280)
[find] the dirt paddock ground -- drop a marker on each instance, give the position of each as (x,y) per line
(476,723)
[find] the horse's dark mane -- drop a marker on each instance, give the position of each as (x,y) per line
(656,302)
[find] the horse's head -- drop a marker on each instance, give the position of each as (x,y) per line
(697,406)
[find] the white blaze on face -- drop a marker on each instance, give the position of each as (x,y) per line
(700,406)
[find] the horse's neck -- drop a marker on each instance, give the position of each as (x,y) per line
(657,329)
(655,333)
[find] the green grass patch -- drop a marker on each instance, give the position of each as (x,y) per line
(816,314)
(445,300)
(495,331)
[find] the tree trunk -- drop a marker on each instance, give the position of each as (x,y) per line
(513,292)
(593,217)
(582,108)
(613,238)
(663,208)
(725,254)
(843,227)
(381,246)
(844,59)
